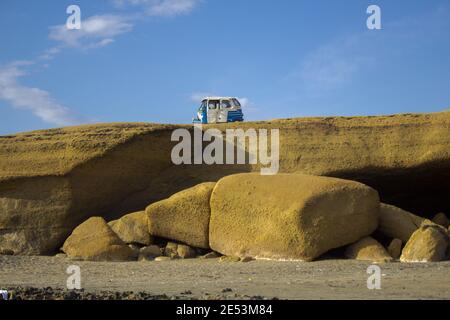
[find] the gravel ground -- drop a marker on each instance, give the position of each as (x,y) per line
(45,278)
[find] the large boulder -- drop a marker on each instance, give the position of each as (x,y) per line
(94,240)
(289,216)
(132,228)
(183,217)
(428,244)
(368,249)
(398,223)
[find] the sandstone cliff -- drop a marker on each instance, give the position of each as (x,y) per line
(52,180)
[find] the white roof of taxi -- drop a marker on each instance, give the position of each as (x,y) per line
(218,98)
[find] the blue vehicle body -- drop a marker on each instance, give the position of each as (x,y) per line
(235,115)
(202,116)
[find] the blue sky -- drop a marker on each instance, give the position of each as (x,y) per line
(152,60)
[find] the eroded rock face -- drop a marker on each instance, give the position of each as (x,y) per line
(53,180)
(428,244)
(289,216)
(184,216)
(368,249)
(34,215)
(94,240)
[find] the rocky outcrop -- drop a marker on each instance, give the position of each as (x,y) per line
(428,244)
(398,223)
(94,240)
(132,228)
(183,217)
(368,249)
(52,180)
(289,216)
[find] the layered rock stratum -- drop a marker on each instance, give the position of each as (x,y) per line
(53,180)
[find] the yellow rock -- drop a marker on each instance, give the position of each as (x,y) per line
(95,241)
(428,244)
(229,259)
(186,252)
(183,217)
(163,258)
(133,228)
(171,249)
(368,249)
(289,216)
(397,223)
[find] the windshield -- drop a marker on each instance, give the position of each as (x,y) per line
(236,103)
(202,106)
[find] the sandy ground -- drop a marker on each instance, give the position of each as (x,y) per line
(206,279)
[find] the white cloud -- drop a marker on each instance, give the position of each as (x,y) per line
(248,105)
(172,7)
(96,31)
(162,8)
(334,64)
(50,54)
(199,96)
(342,60)
(38,101)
